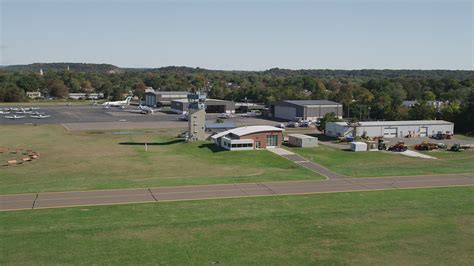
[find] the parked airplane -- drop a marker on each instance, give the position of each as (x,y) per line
(14,116)
(4,112)
(23,111)
(37,113)
(184,116)
(119,103)
(145,109)
(40,116)
(30,108)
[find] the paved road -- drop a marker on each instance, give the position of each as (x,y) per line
(141,195)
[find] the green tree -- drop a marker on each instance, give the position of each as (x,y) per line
(428,96)
(422,111)
(329,117)
(11,93)
(139,90)
(451,112)
(75,85)
(29,82)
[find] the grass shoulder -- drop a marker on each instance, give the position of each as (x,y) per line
(397,227)
(376,163)
(102,160)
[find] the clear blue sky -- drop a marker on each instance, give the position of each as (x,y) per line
(240,35)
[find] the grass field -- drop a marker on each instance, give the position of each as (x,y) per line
(464,137)
(370,164)
(397,227)
(101,160)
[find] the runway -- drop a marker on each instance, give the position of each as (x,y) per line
(182,193)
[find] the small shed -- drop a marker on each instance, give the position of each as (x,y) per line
(303,141)
(358,146)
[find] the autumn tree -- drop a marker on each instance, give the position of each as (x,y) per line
(58,89)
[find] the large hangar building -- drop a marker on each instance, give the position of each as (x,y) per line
(391,129)
(163,98)
(304,109)
(212,106)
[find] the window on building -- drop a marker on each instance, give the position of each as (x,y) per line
(272,140)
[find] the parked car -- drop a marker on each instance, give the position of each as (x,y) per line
(225,116)
(280,126)
(293,124)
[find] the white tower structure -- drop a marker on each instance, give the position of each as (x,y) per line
(41,72)
(197,116)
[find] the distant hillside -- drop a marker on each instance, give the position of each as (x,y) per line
(274,72)
(77,67)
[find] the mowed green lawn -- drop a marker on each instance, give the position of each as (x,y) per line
(397,227)
(464,137)
(372,164)
(98,160)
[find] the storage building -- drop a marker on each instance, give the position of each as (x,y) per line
(305,109)
(212,106)
(358,146)
(163,98)
(249,138)
(391,129)
(85,96)
(303,141)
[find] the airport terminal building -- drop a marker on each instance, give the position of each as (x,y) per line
(249,138)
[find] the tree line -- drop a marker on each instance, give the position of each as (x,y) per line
(374,94)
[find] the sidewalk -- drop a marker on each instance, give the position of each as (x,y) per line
(300,160)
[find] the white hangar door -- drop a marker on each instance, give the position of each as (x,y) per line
(285,112)
(389,132)
(423,132)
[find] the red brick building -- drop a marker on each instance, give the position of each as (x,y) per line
(249,138)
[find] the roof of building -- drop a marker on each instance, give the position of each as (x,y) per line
(207,100)
(399,123)
(149,89)
(301,136)
(171,92)
(311,102)
(241,131)
(224,125)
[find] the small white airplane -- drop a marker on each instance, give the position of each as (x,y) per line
(23,111)
(40,116)
(30,108)
(14,116)
(145,109)
(4,112)
(37,113)
(119,103)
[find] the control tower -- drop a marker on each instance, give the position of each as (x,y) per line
(197,116)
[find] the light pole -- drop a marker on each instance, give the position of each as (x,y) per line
(369,112)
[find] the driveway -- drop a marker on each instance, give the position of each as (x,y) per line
(300,160)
